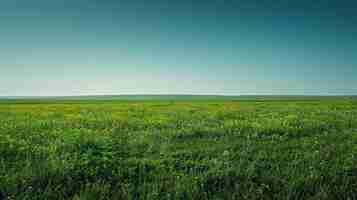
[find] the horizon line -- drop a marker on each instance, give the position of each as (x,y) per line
(174,94)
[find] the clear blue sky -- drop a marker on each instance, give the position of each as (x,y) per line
(83,47)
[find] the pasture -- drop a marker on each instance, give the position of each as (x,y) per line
(276,148)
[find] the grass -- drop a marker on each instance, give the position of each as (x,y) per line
(275,148)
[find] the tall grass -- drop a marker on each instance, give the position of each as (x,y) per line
(179,150)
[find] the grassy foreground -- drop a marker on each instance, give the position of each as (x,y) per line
(276,149)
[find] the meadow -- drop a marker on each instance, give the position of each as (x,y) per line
(262,148)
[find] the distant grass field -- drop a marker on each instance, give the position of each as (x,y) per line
(179,148)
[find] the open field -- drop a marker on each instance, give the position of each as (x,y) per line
(231,148)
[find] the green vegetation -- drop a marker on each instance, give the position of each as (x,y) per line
(276,148)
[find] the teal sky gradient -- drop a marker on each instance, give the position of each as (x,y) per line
(91,47)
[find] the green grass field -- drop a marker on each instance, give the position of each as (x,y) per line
(179,148)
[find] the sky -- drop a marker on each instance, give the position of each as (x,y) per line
(225,47)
